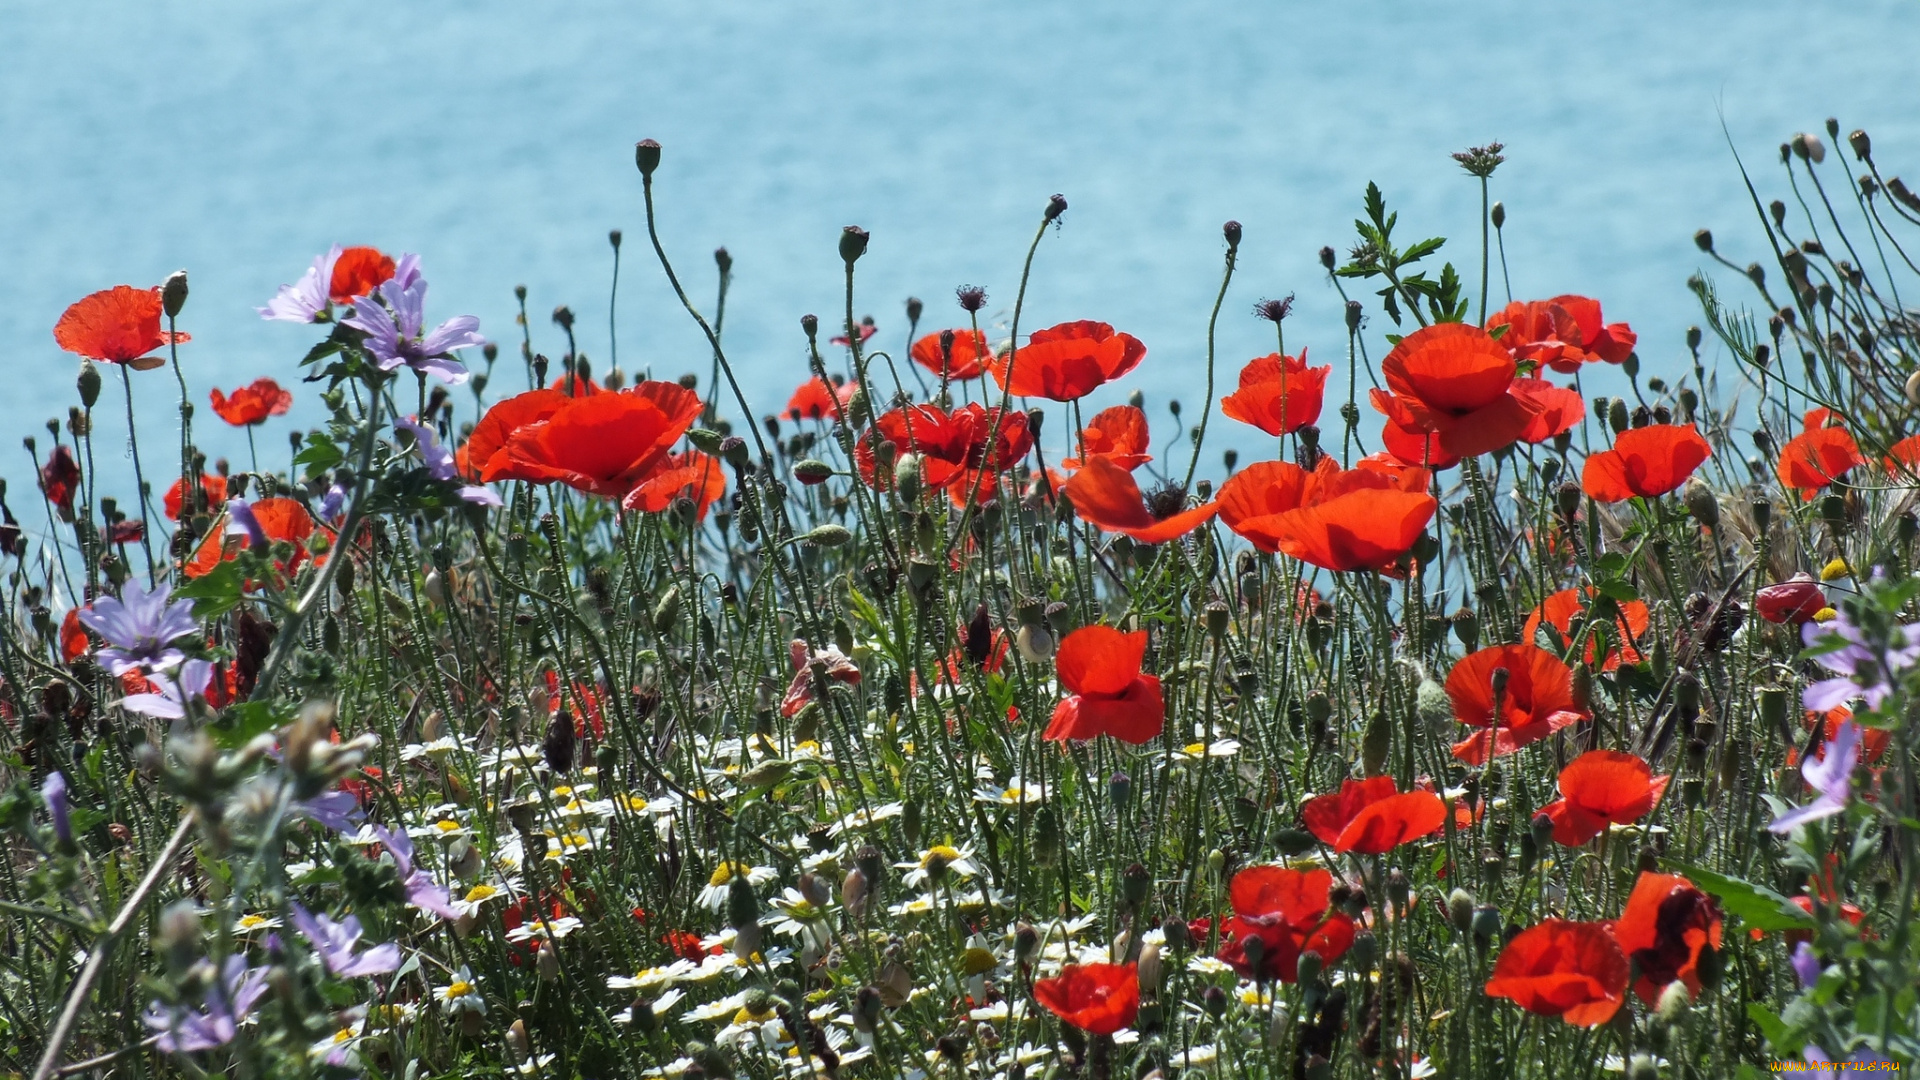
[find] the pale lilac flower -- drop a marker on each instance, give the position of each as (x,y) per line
(422,891)
(1831,776)
(139,628)
(334,943)
(439,461)
(333,502)
(54,791)
(1806,964)
(1848,661)
(241,522)
(307,299)
(172,694)
(395,337)
(337,810)
(182,1030)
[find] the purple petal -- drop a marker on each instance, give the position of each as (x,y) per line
(337,810)
(1829,694)
(445,368)
(480,496)
(459,332)
(429,897)
(1816,810)
(241,522)
(54,791)
(1806,964)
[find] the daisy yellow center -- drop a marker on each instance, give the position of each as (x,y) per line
(447,825)
(724,873)
(1834,570)
(748,1016)
(479,893)
(460,988)
(562,791)
(941,852)
(1196,748)
(343,1035)
(1824,614)
(252,922)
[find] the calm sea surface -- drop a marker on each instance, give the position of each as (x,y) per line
(237,138)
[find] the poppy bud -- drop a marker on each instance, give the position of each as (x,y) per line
(1178,936)
(563,317)
(812,471)
(1134,885)
(1498,215)
(853,244)
(1643,1067)
(1833,510)
(1216,616)
(1255,950)
(1701,503)
(1486,923)
(1353,316)
(1327,257)
(1055,207)
(1757,274)
(646,156)
(828,535)
(1703,239)
(173,294)
(547,963)
(1375,744)
(906,473)
(89,383)
(1460,909)
(743,907)
(1120,793)
(1862,146)
(1216,861)
(1036,418)
(1036,643)
(1466,627)
(734,449)
(1617,416)
(1808,147)
(1310,965)
(1232,231)
(667,611)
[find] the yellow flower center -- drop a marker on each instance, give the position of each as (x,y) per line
(1834,570)
(1824,614)
(251,922)
(342,1035)
(748,1016)
(562,791)
(946,855)
(724,873)
(447,825)
(460,988)
(1196,748)
(479,893)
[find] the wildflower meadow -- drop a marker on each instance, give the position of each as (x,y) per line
(906,721)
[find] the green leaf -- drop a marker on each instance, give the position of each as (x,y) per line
(1422,249)
(1618,589)
(215,592)
(241,723)
(319,455)
(1612,564)
(1756,905)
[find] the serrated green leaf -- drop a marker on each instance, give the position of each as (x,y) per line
(1756,905)
(215,592)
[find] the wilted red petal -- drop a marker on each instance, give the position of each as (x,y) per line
(1668,921)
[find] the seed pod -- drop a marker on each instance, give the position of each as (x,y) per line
(666,613)
(646,156)
(828,535)
(1701,503)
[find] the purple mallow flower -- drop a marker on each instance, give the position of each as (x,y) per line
(333,502)
(54,791)
(171,694)
(422,891)
(439,461)
(1830,775)
(1854,662)
(394,337)
(1805,964)
(334,943)
(307,299)
(139,628)
(182,1030)
(242,522)
(337,810)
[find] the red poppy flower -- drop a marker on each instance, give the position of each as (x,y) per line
(968,360)
(696,475)
(817,399)
(357,272)
(60,480)
(949,444)
(800,691)
(1647,462)
(1278,394)
(1118,434)
(1455,381)
(1573,970)
(126,532)
(867,330)
(1099,999)
(1904,456)
(1559,610)
(1560,408)
(584,698)
(1411,448)
(1601,788)
(601,445)
(1562,333)
(1099,667)
(484,455)
(73,638)
(1873,742)
(280,518)
(1849,912)
(1363,518)
(1069,361)
(575,385)
(1106,495)
(120,325)
(1287,910)
(1796,600)
(1667,923)
(1819,455)
(1372,817)
(213,492)
(253,403)
(1536,701)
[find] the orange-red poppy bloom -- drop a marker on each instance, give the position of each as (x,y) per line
(60,480)
(1068,362)
(1601,788)
(1099,999)
(120,325)
(1118,434)
(1904,456)
(1559,408)
(74,643)
(1822,453)
(483,456)
(282,519)
(1455,381)
(818,399)
(357,272)
(1107,496)
(1573,970)
(1536,700)
(252,403)
(967,361)
(1667,923)
(1797,599)
(1412,448)
(950,444)
(213,488)
(1363,518)
(1107,694)
(1559,610)
(1849,912)
(1372,816)
(1278,394)
(1873,742)
(691,473)
(1647,462)
(1562,333)
(602,445)
(1286,910)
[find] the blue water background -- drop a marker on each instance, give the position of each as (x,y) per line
(237,138)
